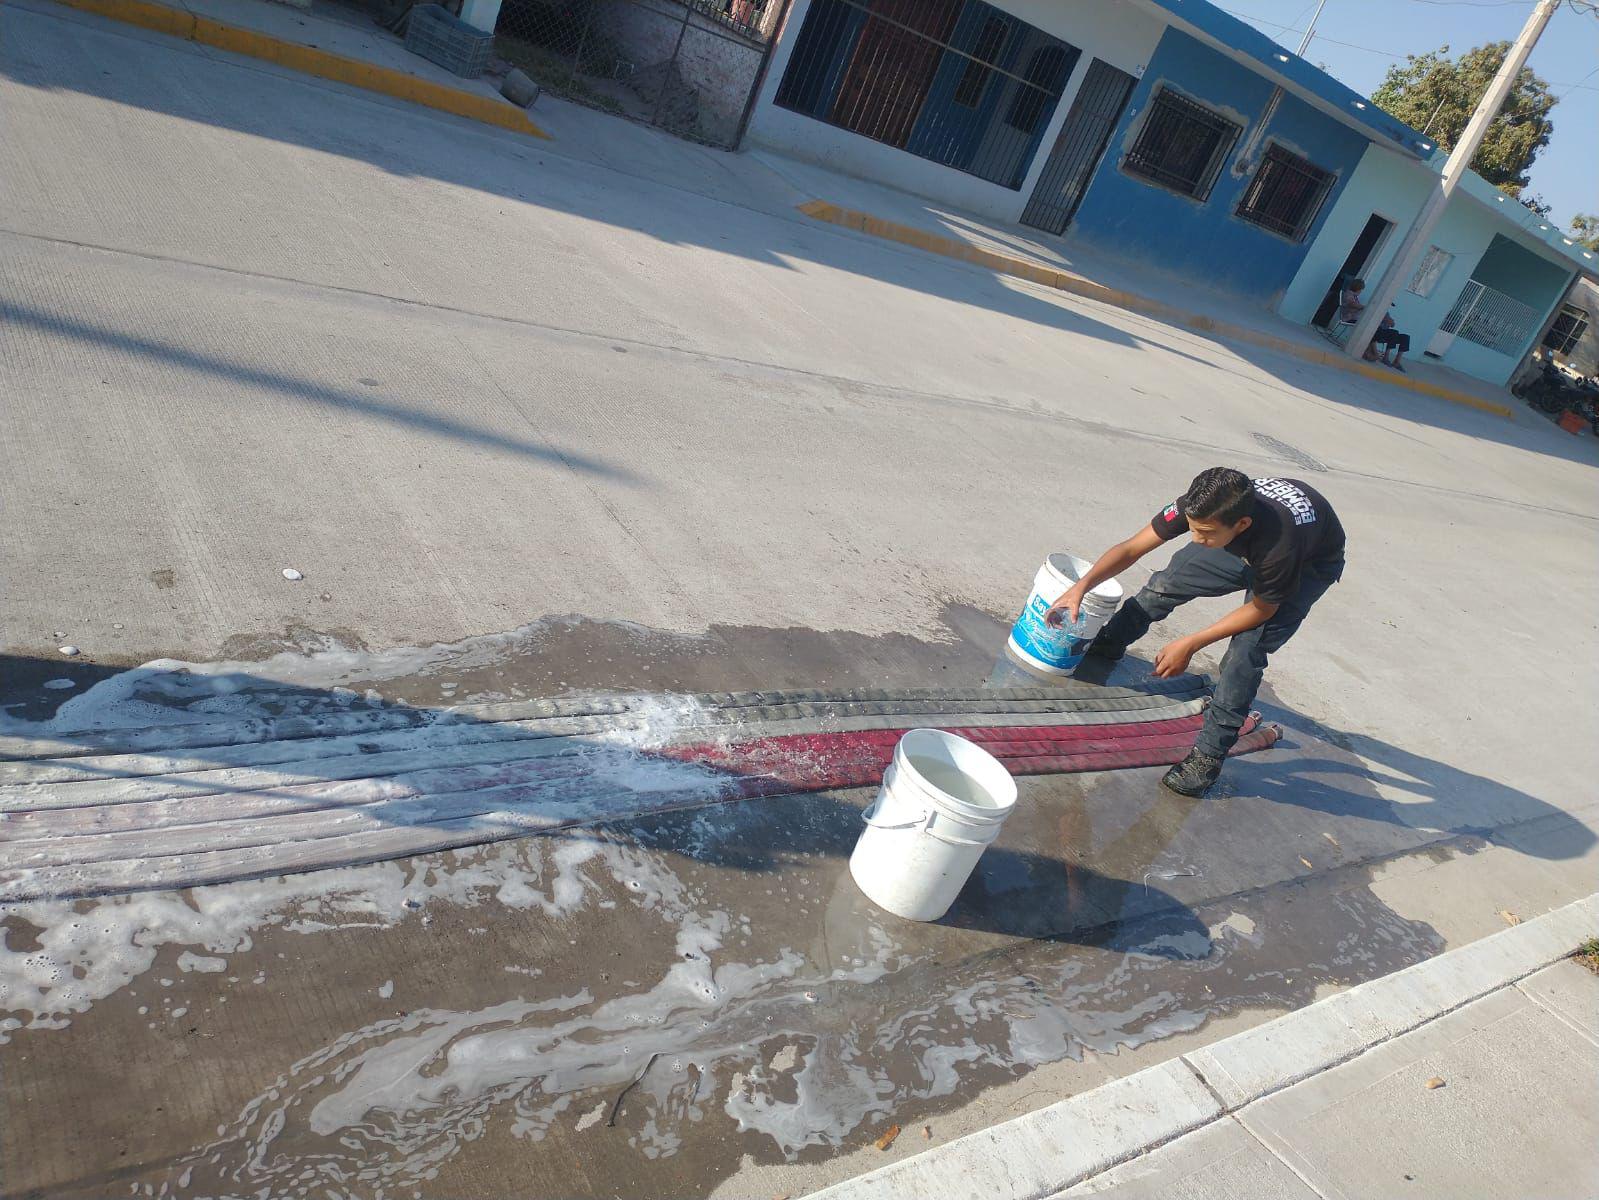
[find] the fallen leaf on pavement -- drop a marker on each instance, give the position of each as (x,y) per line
(1434,1083)
(887,1140)
(1510,917)
(927,1131)
(1333,840)
(1307,862)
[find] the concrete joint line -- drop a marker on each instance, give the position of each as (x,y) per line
(1043,1153)
(1269,1058)
(1585,1033)
(1292,1168)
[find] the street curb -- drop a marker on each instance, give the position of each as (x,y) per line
(309,60)
(1045,1152)
(1066,281)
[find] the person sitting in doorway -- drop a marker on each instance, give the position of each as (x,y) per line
(1350,304)
(1390,339)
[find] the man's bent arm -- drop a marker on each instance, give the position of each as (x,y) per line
(1251,614)
(1172,659)
(1107,566)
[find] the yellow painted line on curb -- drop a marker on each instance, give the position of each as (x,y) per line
(1065,281)
(309,60)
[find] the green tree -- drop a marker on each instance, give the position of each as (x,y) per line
(1437,94)
(1585,229)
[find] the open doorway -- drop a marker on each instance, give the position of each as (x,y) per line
(1361,256)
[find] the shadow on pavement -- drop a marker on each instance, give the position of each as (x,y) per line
(302,388)
(423,145)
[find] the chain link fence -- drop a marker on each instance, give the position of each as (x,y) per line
(691,67)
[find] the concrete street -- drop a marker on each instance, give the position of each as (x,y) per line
(606,412)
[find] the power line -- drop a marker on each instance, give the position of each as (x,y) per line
(1320,37)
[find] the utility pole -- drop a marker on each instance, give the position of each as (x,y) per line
(1310,30)
(1404,262)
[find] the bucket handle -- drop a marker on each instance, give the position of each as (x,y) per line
(923,821)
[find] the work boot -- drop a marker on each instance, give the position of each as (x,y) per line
(1194,775)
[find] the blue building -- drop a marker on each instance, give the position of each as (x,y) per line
(1164,133)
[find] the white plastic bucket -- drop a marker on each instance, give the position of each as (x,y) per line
(942,802)
(1057,650)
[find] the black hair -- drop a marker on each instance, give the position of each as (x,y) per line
(1220,494)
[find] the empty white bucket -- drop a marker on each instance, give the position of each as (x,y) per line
(942,801)
(1058,649)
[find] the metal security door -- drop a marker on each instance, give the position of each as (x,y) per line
(1078,149)
(1450,326)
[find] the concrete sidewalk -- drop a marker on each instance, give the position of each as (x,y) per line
(1473,1074)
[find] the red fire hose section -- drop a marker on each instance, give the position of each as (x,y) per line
(809,762)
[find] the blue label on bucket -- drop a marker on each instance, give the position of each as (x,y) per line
(1059,646)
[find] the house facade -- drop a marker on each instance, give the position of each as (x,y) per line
(1487,284)
(1164,133)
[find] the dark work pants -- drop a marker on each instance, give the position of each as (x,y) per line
(1392,337)
(1197,571)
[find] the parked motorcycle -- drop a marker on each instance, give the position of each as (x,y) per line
(1547,391)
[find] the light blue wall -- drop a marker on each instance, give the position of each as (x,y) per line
(1385,184)
(1396,188)
(1130,217)
(1507,268)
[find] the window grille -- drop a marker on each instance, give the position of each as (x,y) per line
(1181,145)
(1286,193)
(1569,326)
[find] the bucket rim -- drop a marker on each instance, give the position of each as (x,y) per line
(1108,592)
(956,809)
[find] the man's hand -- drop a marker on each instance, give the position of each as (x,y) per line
(1064,611)
(1173,658)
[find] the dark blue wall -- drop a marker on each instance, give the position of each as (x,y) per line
(1135,219)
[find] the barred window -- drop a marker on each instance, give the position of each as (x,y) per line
(1286,193)
(958,82)
(1182,144)
(1567,329)
(990,42)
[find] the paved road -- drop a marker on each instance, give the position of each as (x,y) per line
(577,418)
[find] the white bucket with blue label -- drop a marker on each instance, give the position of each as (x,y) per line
(1056,650)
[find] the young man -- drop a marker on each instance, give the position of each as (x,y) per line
(1276,540)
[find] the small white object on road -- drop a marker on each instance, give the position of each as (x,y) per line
(59,685)
(69,651)
(291,574)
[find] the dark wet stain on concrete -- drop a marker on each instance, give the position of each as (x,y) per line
(481,1040)
(1109,914)
(554,656)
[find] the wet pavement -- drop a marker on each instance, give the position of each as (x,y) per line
(683,998)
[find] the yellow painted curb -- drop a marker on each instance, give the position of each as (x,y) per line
(309,60)
(1065,281)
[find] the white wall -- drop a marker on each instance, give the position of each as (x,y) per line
(1112,30)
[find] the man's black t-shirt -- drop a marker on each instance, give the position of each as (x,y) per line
(1292,525)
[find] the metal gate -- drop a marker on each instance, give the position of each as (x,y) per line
(691,67)
(1081,144)
(1488,317)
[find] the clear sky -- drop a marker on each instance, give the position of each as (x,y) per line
(1356,40)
